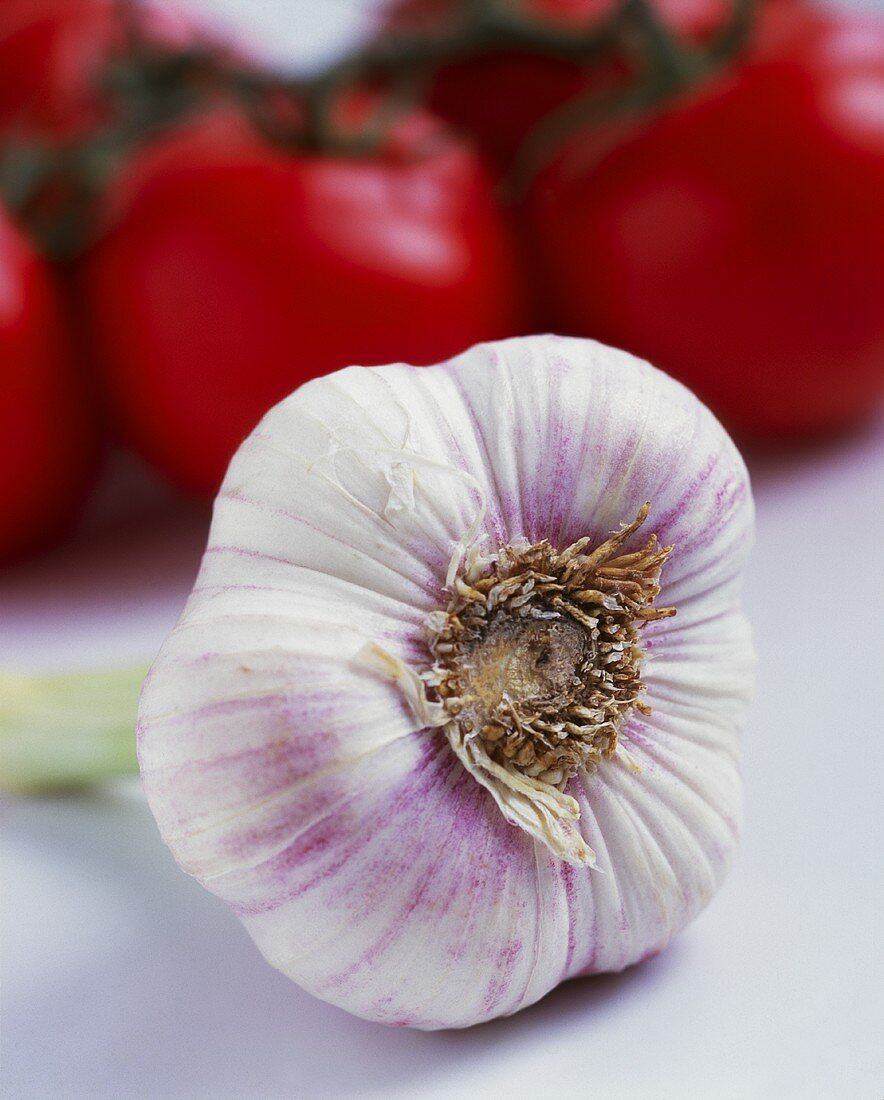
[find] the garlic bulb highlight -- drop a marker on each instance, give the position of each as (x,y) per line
(430,723)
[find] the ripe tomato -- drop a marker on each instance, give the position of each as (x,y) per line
(233,271)
(499,97)
(50,52)
(48,444)
(53,52)
(737,240)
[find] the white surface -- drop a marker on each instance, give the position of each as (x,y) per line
(124,979)
(293,35)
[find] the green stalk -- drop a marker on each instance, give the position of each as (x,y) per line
(67,731)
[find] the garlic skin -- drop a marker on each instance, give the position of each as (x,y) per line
(300,768)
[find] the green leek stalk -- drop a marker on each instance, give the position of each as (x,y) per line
(67,731)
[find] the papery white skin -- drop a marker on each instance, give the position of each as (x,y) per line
(294,781)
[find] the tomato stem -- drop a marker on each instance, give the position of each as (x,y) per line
(151,87)
(670,68)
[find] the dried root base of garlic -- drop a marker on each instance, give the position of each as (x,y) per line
(536,664)
(537,653)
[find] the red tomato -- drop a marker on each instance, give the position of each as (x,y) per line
(737,240)
(233,272)
(47,437)
(499,97)
(52,53)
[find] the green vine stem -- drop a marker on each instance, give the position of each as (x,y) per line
(666,68)
(151,87)
(67,731)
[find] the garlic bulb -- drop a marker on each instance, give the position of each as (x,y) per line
(429,722)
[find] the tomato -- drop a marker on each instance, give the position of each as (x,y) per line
(233,271)
(53,53)
(499,97)
(50,51)
(48,440)
(737,240)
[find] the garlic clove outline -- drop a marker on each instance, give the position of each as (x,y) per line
(313,794)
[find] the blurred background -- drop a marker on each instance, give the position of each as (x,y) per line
(204,203)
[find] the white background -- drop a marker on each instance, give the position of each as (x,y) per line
(124,979)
